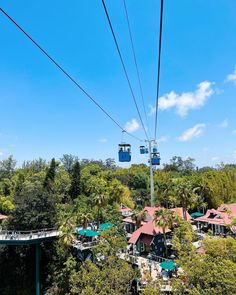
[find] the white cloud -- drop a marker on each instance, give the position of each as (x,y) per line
(234,131)
(232,77)
(1,153)
(163,139)
(103,140)
(185,101)
(224,124)
(190,133)
(132,126)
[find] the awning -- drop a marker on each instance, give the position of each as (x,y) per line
(88,233)
(105,226)
(196,214)
(168,265)
(146,239)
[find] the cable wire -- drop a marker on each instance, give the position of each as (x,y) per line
(159,65)
(135,62)
(66,74)
(123,65)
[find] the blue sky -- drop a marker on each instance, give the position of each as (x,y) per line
(44,115)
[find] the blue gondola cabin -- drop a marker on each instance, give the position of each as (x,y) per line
(124,152)
(142,150)
(155,160)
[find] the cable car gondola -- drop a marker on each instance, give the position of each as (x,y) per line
(124,152)
(155,158)
(142,150)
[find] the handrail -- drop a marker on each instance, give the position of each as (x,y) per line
(27,231)
(84,244)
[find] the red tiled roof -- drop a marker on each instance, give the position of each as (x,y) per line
(224,215)
(178,211)
(230,207)
(151,210)
(149,229)
(129,220)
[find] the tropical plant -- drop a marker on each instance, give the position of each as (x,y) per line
(67,231)
(164,218)
(138,217)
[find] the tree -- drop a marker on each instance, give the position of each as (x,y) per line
(75,189)
(210,273)
(177,164)
(50,175)
(138,217)
(84,219)
(67,229)
(139,181)
(185,195)
(183,240)
(7,167)
(164,218)
(110,163)
(35,208)
(112,276)
(100,202)
(68,162)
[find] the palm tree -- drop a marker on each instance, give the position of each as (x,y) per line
(84,219)
(138,217)
(165,192)
(100,201)
(67,230)
(185,196)
(201,191)
(164,218)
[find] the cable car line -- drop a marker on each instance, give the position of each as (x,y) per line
(67,74)
(123,65)
(135,62)
(159,65)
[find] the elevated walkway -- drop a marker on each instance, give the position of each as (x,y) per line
(8,237)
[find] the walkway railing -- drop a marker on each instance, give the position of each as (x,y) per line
(158,258)
(6,235)
(86,245)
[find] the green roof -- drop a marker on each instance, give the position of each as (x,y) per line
(105,226)
(88,232)
(196,214)
(168,265)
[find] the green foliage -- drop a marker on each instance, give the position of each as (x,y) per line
(72,192)
(213,272)
(182,241)
(111,277)
(6,205)
(75,188)
(177,164)
(35,208)
(7,167)
(50,176)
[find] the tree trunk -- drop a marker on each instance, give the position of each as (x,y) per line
(164,234)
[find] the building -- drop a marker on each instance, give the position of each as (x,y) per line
(218,220)
(149,237)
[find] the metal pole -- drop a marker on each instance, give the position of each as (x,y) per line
(37,268)
(151,175)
